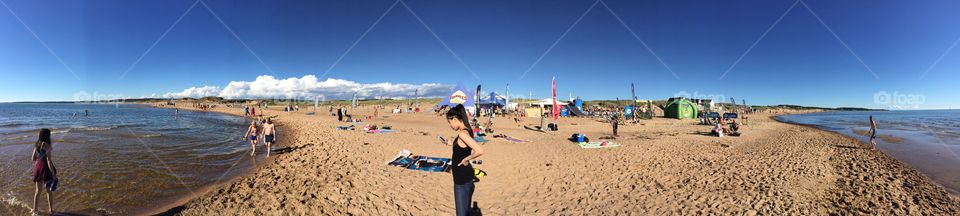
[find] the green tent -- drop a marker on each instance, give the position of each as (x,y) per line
(680,108)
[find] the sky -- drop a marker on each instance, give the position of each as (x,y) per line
(846,53)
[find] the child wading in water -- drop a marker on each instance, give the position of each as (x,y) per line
(44,172)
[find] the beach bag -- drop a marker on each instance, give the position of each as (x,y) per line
(576,137)
(552,126)
(478,174)
(475,210)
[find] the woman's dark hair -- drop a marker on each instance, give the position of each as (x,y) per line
(43,139)
(459,112)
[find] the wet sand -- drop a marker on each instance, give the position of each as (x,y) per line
(665,166)
(886,138)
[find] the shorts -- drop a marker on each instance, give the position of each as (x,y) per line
(252,137)
(873,135)
(268,138)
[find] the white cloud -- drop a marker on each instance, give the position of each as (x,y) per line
(194,92)
(309,86)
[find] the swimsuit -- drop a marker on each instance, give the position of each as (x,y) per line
(252,137)
(268,138)
(41,172)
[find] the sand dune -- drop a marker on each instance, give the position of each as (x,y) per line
(665,166)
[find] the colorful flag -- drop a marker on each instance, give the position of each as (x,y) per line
(556,108)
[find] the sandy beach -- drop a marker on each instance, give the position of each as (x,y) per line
(665,166)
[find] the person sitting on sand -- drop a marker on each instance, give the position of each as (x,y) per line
(268,134)
(717,130)
(734,126)
(873,132)
(44,172)
(252,136)
(465,148)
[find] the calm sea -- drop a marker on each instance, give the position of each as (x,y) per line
(121,159)
(927,140)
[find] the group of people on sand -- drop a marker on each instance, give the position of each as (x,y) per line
(250,111)
(342,115)
(725,128)
(202,106)
(261,129)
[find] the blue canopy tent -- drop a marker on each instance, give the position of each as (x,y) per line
(459,95)
(493,100)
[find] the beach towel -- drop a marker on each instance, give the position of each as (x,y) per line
(600,144)
(533,128)
(421,163)
(508,138)
(511,139)
(480,139)
(380,131)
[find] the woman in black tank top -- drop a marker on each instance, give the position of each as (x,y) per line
(464,150)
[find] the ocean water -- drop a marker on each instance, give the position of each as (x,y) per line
(927,140)
(121,159)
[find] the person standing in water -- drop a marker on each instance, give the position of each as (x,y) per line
(44,172)
(268,134)
(873,132)
(252,136)
(464,150)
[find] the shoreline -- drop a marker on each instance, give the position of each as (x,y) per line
(952,192)
(178,204)
(348,178)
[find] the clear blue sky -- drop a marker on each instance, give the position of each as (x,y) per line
(798,62)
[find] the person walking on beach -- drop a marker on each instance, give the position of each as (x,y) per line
(252,136)
(268,134)
(44,171)
(873,132)
(614,122)
(465,148)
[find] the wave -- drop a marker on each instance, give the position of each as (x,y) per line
(15,137)
(12,125)
(85,128)
(148,135)
(12,200)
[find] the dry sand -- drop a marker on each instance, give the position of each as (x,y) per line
(665,166)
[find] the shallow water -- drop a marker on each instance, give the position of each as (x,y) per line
(930,138)
(121,159)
